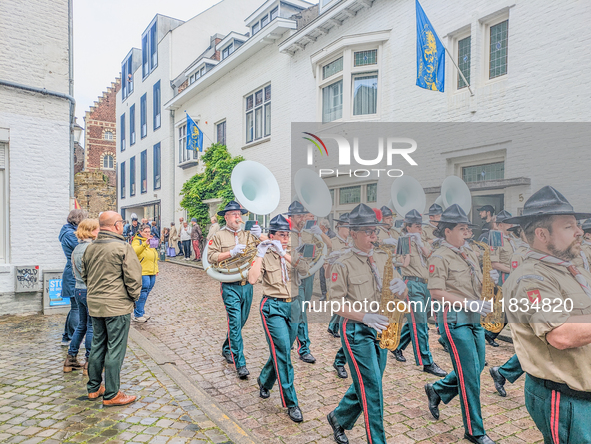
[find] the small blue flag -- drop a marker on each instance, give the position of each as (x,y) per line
(194,135)
(430,54)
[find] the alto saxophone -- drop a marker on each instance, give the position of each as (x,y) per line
(494,321)
(390,338)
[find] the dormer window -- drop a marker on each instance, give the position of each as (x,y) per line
(274,13)
(264,21)
(127,77)
(256,28)
(227,50)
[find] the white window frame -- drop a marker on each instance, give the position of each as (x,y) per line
(456,52)
(229,48)
(497,18)
(223,121)
(105,135)
(4,201)
(181,138)
(105,157)
(263,106)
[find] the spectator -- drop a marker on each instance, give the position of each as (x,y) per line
(113,275)
(144,221)
(134,227)
(173,240)
(214,228)
(181,223)
(87,231)
(69,241)
(186,240)
(155,230)
(148,257)
(196,238)
(165,237)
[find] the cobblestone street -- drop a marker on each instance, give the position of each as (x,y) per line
(189,324)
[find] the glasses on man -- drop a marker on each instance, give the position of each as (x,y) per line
(282,235)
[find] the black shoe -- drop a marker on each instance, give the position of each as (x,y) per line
(398,355)
(228,357)
(492,343)
(307,357)
(484,439)
(334,334)
(295,414)
(434,369)
(242,372)
(434,400)
(337,430)
(341,372)
(443,344)
(263,392)
(499,380)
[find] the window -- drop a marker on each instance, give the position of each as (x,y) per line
(108,135)
(256,28)
(365,94)
(132,124)
(221,132)
(464,59)
(363,58)
(150,49)
(156,105)
(264,21)
(122,179)
(156,166)
(258,114)
(144,115)
(479,173)
(127,78)
(350,195)
(122,132)
(108,162)
(132,176)
(144,171)
(185,154)
(332,68)
(274,13)
(332,102)
(372,192)
(227,50)
(499,42)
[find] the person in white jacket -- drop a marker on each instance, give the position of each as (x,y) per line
(186,240)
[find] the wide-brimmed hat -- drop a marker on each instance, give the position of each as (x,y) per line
(434,210)
(278,223)
(503,216)
(454,215)
(343,219)
(515,229)
(586,225)
(232,206)
(386,211)
(296,208)
(363,216)
(545,202)
(413,217)
(487,208)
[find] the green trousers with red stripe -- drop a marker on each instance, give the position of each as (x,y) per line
(561,418)
(304,294)
(465,339)
(511,369)
(367,362)
(280,331)
(237,300)
(334,326)
(416,329)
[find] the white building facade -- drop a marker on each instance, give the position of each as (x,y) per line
(355,61)
(35,132)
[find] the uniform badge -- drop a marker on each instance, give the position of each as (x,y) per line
(431,268)
(514,264)
(334,277)
(210,241)
(534,296)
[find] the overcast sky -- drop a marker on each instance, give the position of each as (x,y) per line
(105,31)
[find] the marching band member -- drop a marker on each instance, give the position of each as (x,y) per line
(387,230)
(586,244)
(274,262)
(299,215)
(415,274)
(356,278)
(340,243)
(548,302)
(227,243)
(434,214)
(454,277)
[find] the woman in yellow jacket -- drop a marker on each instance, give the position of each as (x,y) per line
(149,259)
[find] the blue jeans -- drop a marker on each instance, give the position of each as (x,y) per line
(71,319)
(84,326)
(147,285)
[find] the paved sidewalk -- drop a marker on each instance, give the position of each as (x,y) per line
(189,324)
(40,403)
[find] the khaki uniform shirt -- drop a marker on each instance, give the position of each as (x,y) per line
(551,285)
(338,244)
(223,241)
(517,257)
(384,233)
(352,278)
(415,267)
(273,285)
(586,250)
(475,253)
(449,272)
(428,235)
(503,254)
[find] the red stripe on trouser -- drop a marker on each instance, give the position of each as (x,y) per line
(414,329)
(229,341)
(460,371)
(299,345)
(555,417)
(273,351)
(363,397)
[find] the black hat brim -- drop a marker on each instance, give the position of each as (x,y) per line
(275,229)
(223,212)
(524,219)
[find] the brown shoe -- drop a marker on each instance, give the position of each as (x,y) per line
(85,369)
(119,399)
(96,395)
(71,363)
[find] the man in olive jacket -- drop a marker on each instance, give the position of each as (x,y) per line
(113,276)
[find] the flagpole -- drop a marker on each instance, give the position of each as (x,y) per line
(454,62)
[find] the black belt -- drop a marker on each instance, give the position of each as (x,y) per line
(414,278)
(244,282)
(279,299)
(562,388)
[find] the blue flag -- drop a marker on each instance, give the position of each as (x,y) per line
(430,54)
(194,135)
